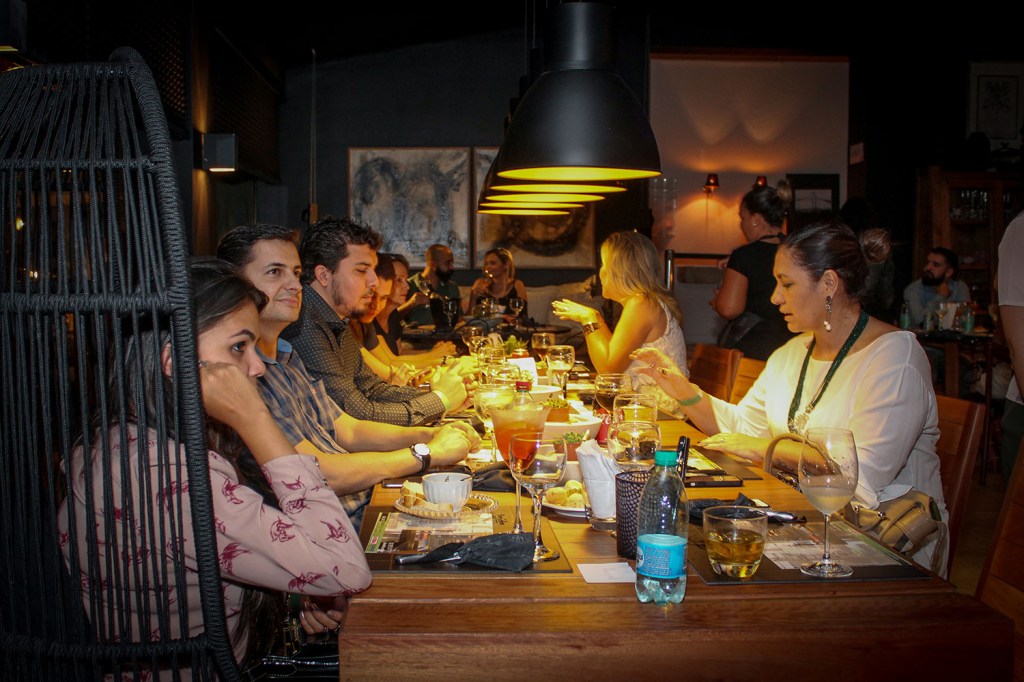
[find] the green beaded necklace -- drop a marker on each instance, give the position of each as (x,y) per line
(798,423)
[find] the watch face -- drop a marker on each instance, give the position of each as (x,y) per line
(420,449)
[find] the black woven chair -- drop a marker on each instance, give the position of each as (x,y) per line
(94,249)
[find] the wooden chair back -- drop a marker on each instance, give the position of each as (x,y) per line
(747,371)
(1001,584)
(961,424)
(713,368)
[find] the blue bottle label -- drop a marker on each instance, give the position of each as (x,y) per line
(659,555)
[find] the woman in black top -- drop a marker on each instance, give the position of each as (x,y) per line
(756,327)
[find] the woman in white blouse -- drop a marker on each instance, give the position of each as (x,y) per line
(844,369)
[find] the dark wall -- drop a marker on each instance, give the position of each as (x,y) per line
(450,94)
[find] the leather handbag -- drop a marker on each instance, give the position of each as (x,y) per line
(298,657)
(904,524)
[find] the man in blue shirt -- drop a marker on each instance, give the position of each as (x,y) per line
(938,285)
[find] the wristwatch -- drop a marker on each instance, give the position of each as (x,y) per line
(421,451)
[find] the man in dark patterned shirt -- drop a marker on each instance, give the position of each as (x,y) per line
(338,260)
(353,454)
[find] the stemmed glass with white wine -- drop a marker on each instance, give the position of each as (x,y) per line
(537,464)
(828,479)
(560,361)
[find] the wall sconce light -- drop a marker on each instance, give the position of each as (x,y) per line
(220,152)
(760,181)
(711,183)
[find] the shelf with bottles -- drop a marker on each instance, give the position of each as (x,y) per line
(969,205)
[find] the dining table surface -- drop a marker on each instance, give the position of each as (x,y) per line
(501,625)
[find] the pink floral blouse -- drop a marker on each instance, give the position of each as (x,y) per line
(308,546)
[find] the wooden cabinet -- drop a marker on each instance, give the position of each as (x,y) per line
(967,212)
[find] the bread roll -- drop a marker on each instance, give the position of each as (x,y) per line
(555,496)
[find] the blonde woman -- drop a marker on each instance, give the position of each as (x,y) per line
(630,275)
(498,282)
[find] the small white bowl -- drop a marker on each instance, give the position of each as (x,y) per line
(541,393)
(578,423)
(448,487)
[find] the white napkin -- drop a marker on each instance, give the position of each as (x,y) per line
(599,471)
(527,366)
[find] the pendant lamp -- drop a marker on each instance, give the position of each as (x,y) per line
(579,122)
(492,203)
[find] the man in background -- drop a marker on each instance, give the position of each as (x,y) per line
(436,277)
(938,285)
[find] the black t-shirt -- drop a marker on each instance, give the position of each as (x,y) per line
(756,261)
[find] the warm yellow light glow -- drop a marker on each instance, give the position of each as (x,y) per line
(521,211)
(221,170)
(553,187)
(577,174)
(539,196)
(528,204)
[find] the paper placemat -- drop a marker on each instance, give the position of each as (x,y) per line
(792,544)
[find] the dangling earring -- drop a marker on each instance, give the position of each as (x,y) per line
(828,313)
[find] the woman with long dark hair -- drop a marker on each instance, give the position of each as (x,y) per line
(279,526)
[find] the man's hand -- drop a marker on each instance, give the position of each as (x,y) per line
(449,445)
(470,433)
(449,382)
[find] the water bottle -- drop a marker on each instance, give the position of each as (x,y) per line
(905,316)
(661,533)
(967,323)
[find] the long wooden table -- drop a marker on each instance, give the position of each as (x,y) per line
(514,627)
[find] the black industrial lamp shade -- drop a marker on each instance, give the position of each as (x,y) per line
(579,122)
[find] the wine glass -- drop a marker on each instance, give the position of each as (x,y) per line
(537,464)
(632,444)
(516,305)
(469,333)
(607,385)
(639,407)
(507,422)
(560,360)
(486,356)
(492,395)
(450,308)
(828,479)
(541,342)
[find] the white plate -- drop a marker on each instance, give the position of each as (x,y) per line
(575,512)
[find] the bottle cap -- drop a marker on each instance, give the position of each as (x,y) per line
(523,385)
(665,458)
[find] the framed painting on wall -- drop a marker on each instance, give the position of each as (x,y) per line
(997,103)
(413,196)
(535,241)
(815,197)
